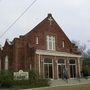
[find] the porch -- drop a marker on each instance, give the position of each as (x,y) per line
(54,64)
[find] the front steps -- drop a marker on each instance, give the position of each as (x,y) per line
(69,82)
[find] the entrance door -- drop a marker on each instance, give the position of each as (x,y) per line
(61,67)
(72,71)
(72,64)
(60,71)
(48,70)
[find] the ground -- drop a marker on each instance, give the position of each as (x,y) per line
(73,84)
(73,87)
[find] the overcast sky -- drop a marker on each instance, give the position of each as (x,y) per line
(73,16)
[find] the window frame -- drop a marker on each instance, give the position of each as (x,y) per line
(50,42)
(63,44)
(37,40)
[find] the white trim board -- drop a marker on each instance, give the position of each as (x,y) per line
(56,53)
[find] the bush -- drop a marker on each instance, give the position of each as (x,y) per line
(36,81)
(6,79)
(21,83)
(33,77)
(42,82)
(85,72)
(26,84)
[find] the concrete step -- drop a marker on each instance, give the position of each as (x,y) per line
(70,81)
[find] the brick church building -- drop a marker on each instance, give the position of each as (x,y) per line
(45,49)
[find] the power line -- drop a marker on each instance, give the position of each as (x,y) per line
(18,18)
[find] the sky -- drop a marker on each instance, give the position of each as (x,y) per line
(73,16)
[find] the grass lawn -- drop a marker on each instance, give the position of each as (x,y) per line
(10,89)
(73,87)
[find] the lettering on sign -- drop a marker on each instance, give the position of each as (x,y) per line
(21,75)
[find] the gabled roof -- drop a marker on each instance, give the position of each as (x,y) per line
(7,43)
(46,23)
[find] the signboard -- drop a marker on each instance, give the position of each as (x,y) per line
(21,75)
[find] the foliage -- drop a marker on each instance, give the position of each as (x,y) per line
(81,47)
(36,81)
(42,82)
(33,77)
(85,71)
(6,79)
(88,53)
(86,65)
(21,83)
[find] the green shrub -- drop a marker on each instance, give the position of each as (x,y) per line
(85,72)
(6,79)
(36,81)
(33,77)
(21,83)
(42,82)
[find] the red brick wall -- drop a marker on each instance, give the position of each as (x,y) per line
(7,51)
(18,51)
(44,29)
(19,54)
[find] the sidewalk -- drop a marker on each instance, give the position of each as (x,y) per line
(70,82)
(61,82)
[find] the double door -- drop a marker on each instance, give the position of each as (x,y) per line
(72,71)
(61,69)
(48,73)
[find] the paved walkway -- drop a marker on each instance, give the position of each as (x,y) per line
(61,82)
(69,82)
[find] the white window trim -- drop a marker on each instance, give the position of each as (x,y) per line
(60,65)
(52,42)
(52,68)
(63,44)
(6,62)
(37,40)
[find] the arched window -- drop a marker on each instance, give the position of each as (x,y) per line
(6,62)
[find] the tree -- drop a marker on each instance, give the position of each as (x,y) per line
(88,53)
(81,47)
(86,64)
